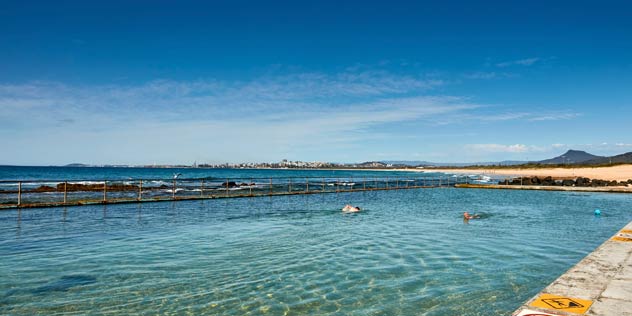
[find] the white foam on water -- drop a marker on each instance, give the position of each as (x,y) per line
(86,182)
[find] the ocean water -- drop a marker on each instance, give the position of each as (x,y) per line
(112,173)
(407,253)
(159,183)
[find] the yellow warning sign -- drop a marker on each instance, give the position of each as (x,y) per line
(621,238)
(557,302)
(623,235)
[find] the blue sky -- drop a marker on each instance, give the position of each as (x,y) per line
(245,81)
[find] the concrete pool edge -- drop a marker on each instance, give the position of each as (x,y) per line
(599,285)
(618,189)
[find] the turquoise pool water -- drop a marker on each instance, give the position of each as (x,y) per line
(407,253)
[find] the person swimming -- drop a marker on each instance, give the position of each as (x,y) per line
(467,216)
(351,209)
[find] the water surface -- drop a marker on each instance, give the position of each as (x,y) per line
(408,253)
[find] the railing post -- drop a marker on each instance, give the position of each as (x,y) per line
(19,193)
(364,183)
(202,188)
(375,179)
(337,185)
(250,187)
(397,183)
(105,191)
(387,183)
(227,186)
(65,191)
(306,185)
(323,184)
(289,185)
(173,193)
(270,185)
(140,189)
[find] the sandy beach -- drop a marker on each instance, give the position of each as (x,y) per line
(619,173)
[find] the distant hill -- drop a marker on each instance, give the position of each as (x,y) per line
(372,164)
(569,158)
(623,158)
(572,157)
(411,163)
(76,165)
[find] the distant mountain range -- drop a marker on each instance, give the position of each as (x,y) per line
(623,158)
(571,157)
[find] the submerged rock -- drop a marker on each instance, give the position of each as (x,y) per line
(65,283)
(549,181)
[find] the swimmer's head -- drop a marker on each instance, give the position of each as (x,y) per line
(466,214)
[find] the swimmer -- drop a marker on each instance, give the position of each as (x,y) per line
(467,216)
(350,209)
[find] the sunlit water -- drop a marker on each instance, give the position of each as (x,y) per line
(408,253)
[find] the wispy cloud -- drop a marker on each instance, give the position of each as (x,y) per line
(555,116)
(271,116)
(604,148)
(550,150)
(519,62)
(494,113)
(488,75)
(500,148)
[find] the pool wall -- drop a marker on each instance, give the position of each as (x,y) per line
(599,285)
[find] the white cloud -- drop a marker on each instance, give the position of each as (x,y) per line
(175,99)
(253,120)
(519,62)
(499,116)
(482,75)
(556,116)
(499,148)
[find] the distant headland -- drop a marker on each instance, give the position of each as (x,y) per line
(570,159)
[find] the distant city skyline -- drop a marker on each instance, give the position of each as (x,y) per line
(240,81)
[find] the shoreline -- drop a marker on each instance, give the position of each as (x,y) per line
(619,172)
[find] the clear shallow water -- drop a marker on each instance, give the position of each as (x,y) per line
(408,253)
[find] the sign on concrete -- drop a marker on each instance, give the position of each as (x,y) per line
(563,303)
(623,235)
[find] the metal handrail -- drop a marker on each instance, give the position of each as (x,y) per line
(141,190)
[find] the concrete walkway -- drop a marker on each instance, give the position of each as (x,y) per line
(599,285)
(618,189)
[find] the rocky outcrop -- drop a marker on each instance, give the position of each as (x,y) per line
(78,187)
(232,184)
(72,187)
(229,184)
(577,182)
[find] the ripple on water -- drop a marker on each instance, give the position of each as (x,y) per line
(409,253)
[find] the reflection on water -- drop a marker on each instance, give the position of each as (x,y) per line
(407,253)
